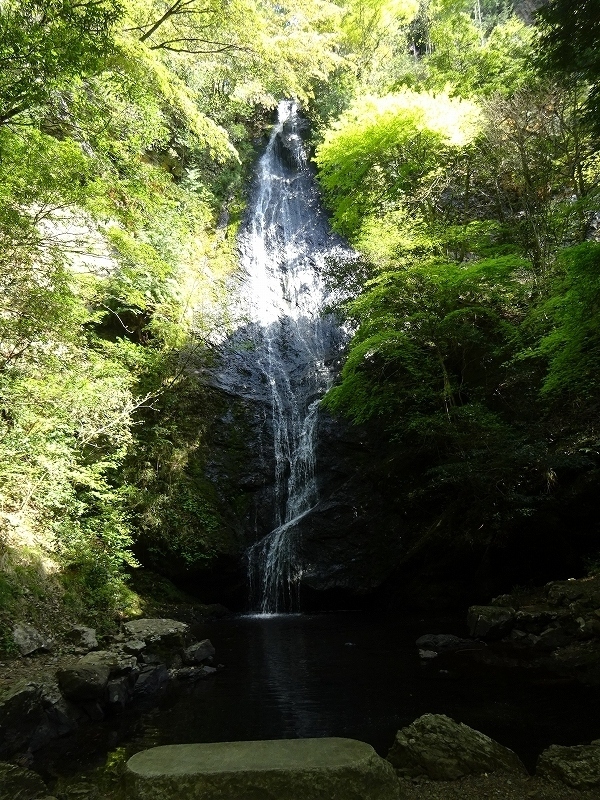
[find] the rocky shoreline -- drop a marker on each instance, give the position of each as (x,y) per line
(434,758)
(81,687)
(555,629)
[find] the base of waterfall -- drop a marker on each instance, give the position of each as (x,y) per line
(278,769)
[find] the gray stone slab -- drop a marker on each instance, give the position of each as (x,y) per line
(279,769)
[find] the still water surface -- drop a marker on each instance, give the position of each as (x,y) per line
(340,674)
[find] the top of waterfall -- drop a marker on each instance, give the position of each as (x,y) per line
(289,123)
(286,240)
(286,109)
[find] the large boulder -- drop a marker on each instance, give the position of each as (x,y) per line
(159,632)
(29,640)
(151,678)
(63,716)
(283,769)
(32,714)
(82,636)
(119,691)
(577,766)
(21,716)
(199,652)
(441,749)
(17,783)
(490,622)
(83,682)
(116,663)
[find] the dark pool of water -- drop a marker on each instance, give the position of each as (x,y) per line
(340,674)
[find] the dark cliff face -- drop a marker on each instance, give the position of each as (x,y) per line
(348,544)
(352,540)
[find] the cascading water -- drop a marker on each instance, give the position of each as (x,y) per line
(289,346)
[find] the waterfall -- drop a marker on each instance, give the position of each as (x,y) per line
(287,356)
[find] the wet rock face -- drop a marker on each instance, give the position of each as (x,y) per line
(345,544)
(302,468)
(441,749)
(353,539)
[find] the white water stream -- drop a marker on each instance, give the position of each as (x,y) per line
(284,246)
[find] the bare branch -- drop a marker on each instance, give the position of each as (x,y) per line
(216,47)
(177,8)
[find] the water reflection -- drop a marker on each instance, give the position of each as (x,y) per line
(354,675)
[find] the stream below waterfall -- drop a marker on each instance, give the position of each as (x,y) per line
(352,674)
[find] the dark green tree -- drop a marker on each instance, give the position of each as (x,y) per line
(570,39)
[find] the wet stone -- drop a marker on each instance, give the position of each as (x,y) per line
(150,679)
(118,691)
(21,715)
(199,652)
(167,632)
(83,682)
(134,646)
(577,766)
(116,663)
(82,636)
(445,643)
(490,622)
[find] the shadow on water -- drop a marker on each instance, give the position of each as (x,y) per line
(348,674)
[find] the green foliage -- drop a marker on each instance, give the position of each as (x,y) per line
(8,647)
(428,335)
(383,148)
(473,302)
(44,44)
(128,130)
(473,62)
(573,347)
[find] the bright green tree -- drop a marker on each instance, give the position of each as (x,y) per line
(45,44)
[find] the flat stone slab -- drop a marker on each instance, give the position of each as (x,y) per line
(277,769)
